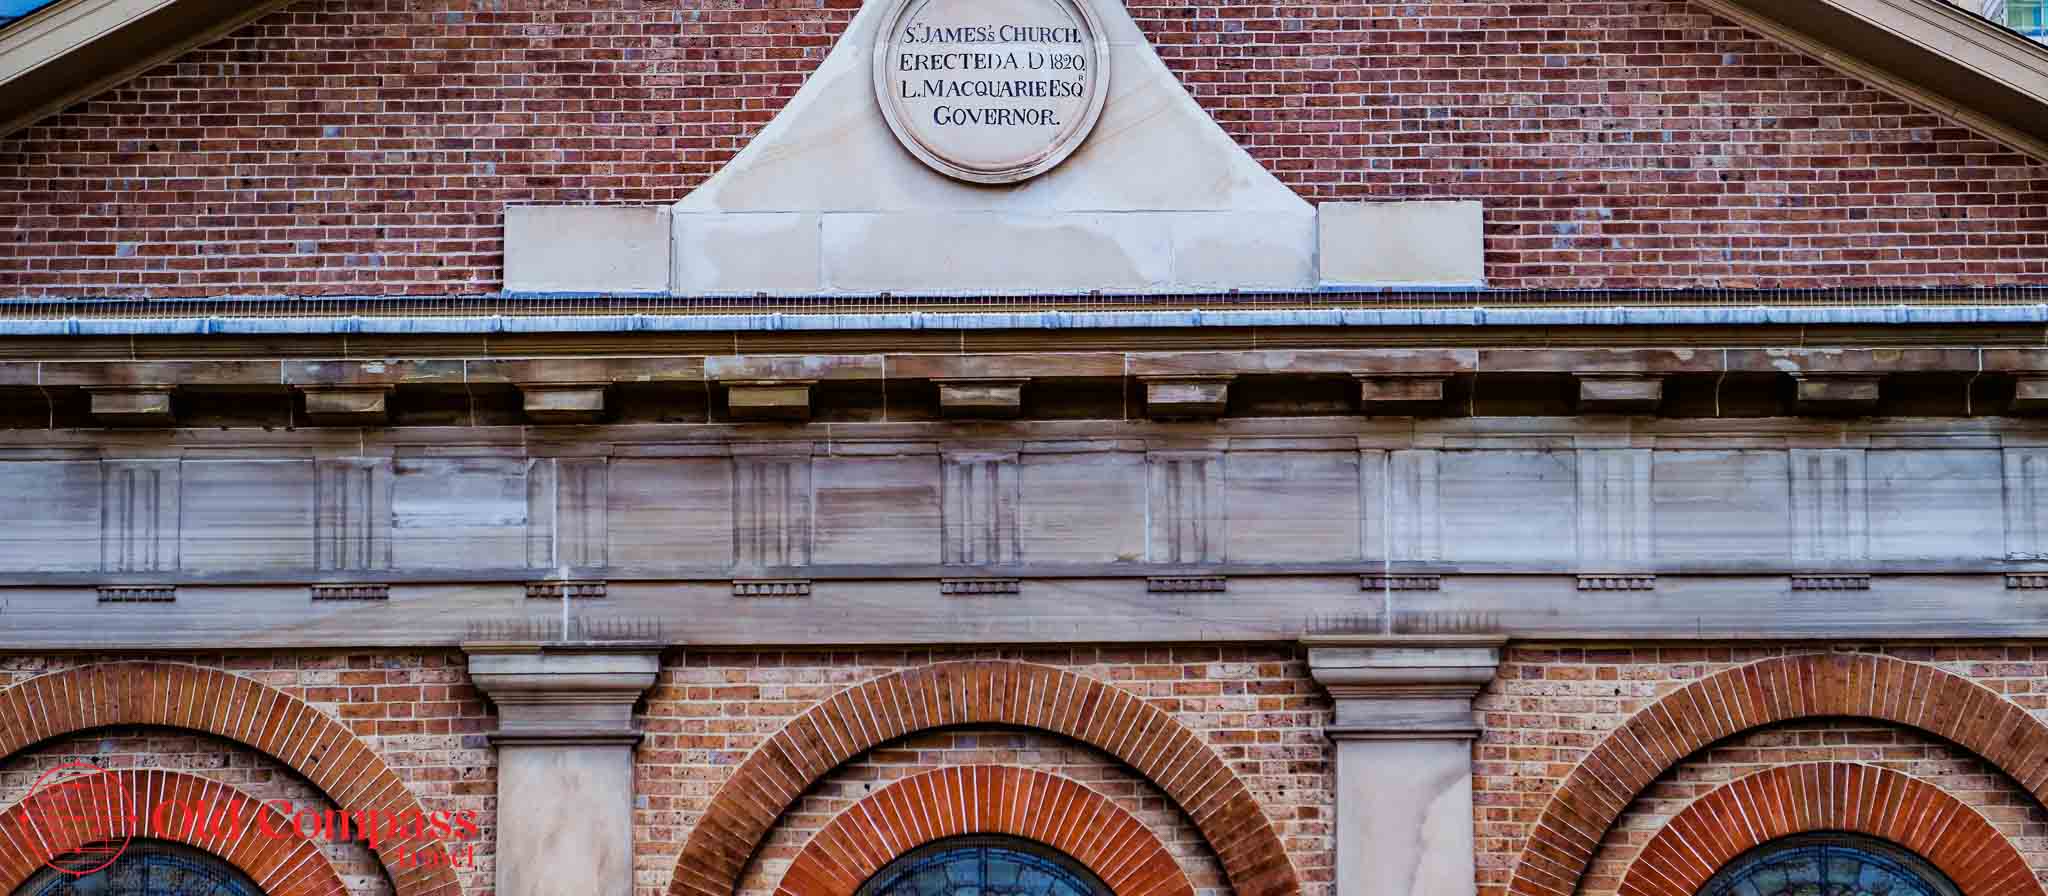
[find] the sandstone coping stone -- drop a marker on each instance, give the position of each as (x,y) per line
(1417,244)
(586,248)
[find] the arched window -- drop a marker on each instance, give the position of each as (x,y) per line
(148,868)
(1829,864)
(986,866)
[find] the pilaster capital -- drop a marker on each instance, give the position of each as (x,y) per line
(564,693)
(1403,687)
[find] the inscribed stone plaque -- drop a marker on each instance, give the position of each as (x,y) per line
(991,91)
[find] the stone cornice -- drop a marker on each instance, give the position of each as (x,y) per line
(1078,383)
(562,694)
(1403,687)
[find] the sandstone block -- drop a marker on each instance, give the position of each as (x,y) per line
(586,248)
(1431,243)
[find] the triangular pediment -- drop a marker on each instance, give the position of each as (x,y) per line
(1156,197)
(1153,149)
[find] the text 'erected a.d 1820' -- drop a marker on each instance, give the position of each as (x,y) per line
(991,91)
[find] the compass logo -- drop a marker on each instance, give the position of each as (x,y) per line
(79,803)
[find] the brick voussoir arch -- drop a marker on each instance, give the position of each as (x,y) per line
(985,799)
(1595,793)
(980,692)
(1828,796)
(261,843)
(290,730)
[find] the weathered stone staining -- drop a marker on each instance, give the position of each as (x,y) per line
(1836,394)
(562,402)
(132,406)
(981,397)
(349,405)
(2029,395)
(1400,394)
(1186,397)
(769,399)
(991,91)
(1620,393)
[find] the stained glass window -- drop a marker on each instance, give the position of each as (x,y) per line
(983,866)
(148,868)
(1829,864)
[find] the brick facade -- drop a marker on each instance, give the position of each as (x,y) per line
(369,147)
(979,692)
(1542,718)
(199,755)
(39,829)
(1102,775)
(410,720)
(1254,707)
(984,799)
(1553,708)
(2015,817)
(1828,796)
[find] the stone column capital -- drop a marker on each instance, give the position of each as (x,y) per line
(1403,687)
(564,694)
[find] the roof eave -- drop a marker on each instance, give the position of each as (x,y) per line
(1983,76)
(75,49)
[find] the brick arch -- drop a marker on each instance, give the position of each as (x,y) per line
(985,799)
(42,827)
(290,730)
(1858,685)
(982,692)
(1828,796)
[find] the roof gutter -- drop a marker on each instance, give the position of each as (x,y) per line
(1477,316)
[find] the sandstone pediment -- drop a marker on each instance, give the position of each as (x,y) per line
(828,198)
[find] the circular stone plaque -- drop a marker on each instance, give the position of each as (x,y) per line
(991,91)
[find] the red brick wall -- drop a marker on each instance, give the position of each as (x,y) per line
(1951,769)
(1550,705)
(221,760)
(368,146)
(1101,773)
(1256,707)
(417,710)
(937,804)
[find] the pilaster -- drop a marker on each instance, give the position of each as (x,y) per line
(565,743)
(1403,738)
